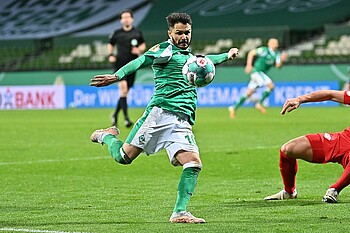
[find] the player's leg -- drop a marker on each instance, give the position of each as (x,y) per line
(331,195)
(341,154)
(344,179)
(267,82)
(192,165)
(130,79)
(298,148)
(243,98)
(123,92)
(269,88)
(123,153)
(311,148)
(136,141)
(122,102)
(183,151)
(114,116)
(143,137)
(255,82)
(232,109)
(252,86)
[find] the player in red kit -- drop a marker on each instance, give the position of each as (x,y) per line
(315,148)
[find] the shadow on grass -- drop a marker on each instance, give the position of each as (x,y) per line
(79,223)
(263,204)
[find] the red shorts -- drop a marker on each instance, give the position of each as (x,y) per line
(330,147)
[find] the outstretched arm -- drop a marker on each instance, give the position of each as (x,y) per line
(317,96)
(107,79)
(220,58)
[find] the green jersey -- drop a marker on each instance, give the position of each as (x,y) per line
(265,59)
(172,91)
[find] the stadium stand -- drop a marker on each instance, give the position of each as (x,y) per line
(322,36)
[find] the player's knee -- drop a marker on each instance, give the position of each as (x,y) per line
(270,86)
(284,149)
(288,148)
(249,93)
(197,164)
(123,158)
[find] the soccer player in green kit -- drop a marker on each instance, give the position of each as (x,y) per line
(265,58)
(168,118)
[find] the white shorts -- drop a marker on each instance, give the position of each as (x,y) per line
(258,79)
(159,129)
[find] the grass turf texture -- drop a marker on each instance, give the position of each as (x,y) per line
(54,178)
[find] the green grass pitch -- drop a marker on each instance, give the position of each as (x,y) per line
(53,179)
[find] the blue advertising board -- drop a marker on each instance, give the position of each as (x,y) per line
(214,95)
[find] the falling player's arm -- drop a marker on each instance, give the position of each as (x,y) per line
(317,96)
(220,58)
(131,67)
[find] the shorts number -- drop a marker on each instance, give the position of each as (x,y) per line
(190,139)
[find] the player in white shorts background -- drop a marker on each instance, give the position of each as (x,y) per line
(259,62)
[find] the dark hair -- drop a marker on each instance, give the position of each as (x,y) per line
(174,18)
(126,11)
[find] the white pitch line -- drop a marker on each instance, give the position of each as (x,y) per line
(264,147)
(35,230)
(52,160)
(106,157)
(243,149)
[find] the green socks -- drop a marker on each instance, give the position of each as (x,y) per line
(240,102)
(115,148)
(186,187)
(264,95)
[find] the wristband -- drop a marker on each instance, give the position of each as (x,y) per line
(111,54)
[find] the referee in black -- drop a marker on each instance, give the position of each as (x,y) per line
(130,44)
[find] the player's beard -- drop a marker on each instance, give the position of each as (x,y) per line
(182,44)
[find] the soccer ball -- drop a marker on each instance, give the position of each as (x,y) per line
(198,71)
